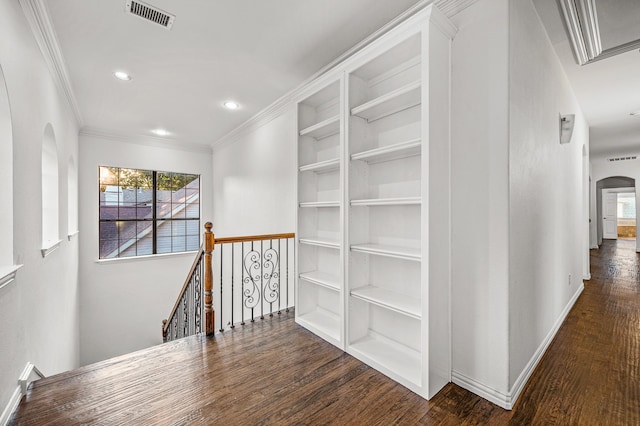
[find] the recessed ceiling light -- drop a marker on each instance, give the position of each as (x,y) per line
(231,105)
(121,75)
(160,132)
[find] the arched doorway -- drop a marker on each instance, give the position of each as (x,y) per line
(615,204)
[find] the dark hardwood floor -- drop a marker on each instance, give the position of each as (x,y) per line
(275,372)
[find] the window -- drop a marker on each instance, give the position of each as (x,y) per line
(144,212)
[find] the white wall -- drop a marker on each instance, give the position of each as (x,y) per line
(39,310)
(254,180)
(519,201)
(480,246)
(601,169)
(123,302)
(547,214)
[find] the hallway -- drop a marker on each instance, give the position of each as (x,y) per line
(591,372)
(590,375)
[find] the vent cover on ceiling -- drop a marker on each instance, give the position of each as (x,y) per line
(150,13)
(631,157)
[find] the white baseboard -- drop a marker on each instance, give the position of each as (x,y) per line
(537,356)
(21,390)
(587,277)
(595,246)
(11,406)
(507,400)
(490,394)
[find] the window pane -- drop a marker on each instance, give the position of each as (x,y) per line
(193,227)
(193,210)
(127,248)
(193,242)
(164,244)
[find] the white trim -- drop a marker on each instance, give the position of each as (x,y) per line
(8,274)
(39,20)
(587,276)
(481,390)
(537,356)
(73,234)
(146,257)
(24,381)
(595,246)
(46,251)
(21,390)
(449,8)
(11,407)
(508,400)
(146,140)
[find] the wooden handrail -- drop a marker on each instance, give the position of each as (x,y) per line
(227,240)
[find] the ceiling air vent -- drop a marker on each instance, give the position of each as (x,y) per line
(631,157)
(150,13)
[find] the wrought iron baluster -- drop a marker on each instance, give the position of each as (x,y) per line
(294,254)
(242,287)
(262,279)
(252,308)
(279,278)
(221,299)
(232,292)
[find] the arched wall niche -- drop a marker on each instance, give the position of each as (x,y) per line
(50,192)
(72,194)
(6,177)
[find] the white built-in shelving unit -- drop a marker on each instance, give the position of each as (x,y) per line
(319,304)
(373,193)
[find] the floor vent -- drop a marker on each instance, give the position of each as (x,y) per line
(630,157)
(150,13)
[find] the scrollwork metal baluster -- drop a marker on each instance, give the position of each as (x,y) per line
(271,277)
(251,295)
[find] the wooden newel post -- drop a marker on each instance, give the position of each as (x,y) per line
(164,331)
(209,242)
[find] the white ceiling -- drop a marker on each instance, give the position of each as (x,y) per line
(251,51)
(607,90)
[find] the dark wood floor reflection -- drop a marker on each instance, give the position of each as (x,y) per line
(274,372)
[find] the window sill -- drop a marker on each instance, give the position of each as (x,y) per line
(73,234)
(144,258)
(46,251)
(8,274)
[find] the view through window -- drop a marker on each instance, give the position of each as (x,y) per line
(145,212)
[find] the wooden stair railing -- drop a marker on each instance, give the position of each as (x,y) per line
(260,283)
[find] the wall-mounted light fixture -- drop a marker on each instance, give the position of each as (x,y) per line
(566,127)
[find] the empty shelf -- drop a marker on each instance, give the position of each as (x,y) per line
(322,279)
(322,166)
(390,152)
(396,302)
(395,101)
(407,253)
(400,201)
(321,204)
(323,321)
(389,355)
(323,129)
(320,242)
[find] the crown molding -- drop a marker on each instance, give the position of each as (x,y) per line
(146,140)
(37,15)
(448,7)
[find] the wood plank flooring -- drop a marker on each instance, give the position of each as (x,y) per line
(275,372)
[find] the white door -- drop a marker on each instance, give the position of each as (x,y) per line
(610,215)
